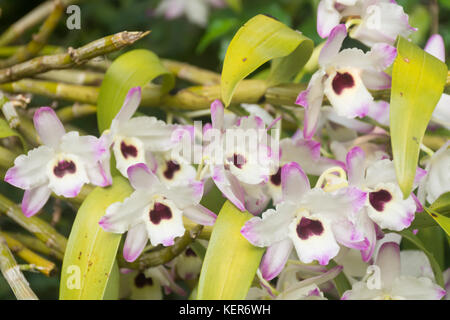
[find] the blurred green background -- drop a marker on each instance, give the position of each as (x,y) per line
(182,40)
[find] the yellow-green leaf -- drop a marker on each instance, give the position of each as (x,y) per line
(418,80)
(134,68)
(259,40)
(6,131)
(230,262)
(91,251)
(442,204)
(441,220)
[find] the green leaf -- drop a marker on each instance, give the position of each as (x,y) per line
(434,264)
(441,220)
(91,251)
(418,80)
(215,30)
(231,261)
(113,285)
(134,68)
(259,40)
(442,204)
(7,131)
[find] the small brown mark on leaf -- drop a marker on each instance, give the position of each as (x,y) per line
(245,59)
(406,60)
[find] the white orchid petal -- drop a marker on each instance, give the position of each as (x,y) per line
(130,105)
(34,199)
(27,171)
(388,260)
(311,99)
(48,126)
(121,215)
(294,182)
(333,44)
(416,289)
(199,214)
(271,227)
(135,242)
(435,46)
(229,186)
(275,258)
(141,178)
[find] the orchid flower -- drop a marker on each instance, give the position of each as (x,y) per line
(376,20)
(385,203)
(441,114)
(311,220)
(291,287)
(187,265)
(240,158)
(304,152)
(154,211)
(345,77)
(384,280)
(437,179)
(63,164)
(197,11)
(133,140)
(147,285)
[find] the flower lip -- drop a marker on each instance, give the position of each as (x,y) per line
(308,228)
(160,212)
(171,169)
(63,167)
(128,150)
(276,178)
(190,253)
(378,199)
(141,280)
(237,160)
(342,81)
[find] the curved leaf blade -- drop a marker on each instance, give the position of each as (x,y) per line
(418,80)
(259,40)
(134,68)
(91,251)
(230,262)
(7,131)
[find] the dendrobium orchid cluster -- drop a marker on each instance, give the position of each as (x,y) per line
(324,196)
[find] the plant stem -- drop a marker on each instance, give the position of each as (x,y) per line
(41,229)
(38,40)
(43,265)
(73,76)
(191,73)
(36,245)
(13,275)
(75,111)
(35,16)
(72,57)
(161,255)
